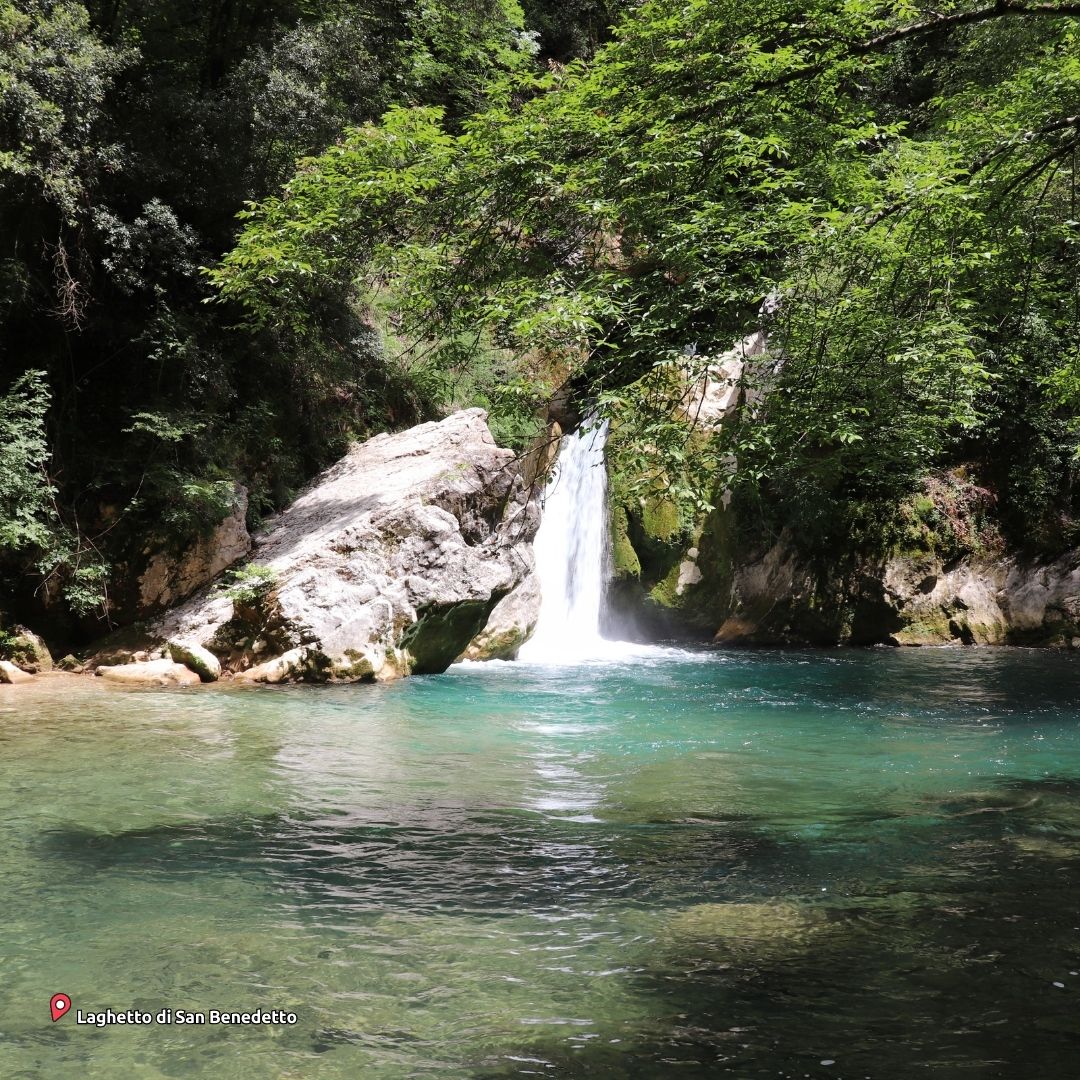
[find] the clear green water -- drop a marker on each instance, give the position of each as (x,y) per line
(718,865)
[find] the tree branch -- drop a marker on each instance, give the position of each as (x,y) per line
(1000,10)
(1010,144)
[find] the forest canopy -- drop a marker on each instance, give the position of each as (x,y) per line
(900,180)
(486,203)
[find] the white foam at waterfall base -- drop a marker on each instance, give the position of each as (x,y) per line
(572,559)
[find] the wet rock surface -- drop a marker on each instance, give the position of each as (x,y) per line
(203,662)
(907,600)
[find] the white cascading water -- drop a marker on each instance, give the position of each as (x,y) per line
(571,554)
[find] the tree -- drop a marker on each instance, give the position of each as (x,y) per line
(899,178)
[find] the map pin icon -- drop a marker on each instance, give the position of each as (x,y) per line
(59,1005)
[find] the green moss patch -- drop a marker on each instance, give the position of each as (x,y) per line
(660,520)
(626,563)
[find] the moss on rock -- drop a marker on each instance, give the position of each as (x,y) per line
(26,650)
(660,520)
(441,633)
(666,592)
(502,646)
(625,561)
(203,662)
(358,669)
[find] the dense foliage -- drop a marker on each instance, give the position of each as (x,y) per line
(888,190)
(130,137)
(484,202)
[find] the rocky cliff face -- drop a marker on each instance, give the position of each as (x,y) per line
(390,564)
(948,577)
(1010,601)
(775,595)
(169,578)
(906,600)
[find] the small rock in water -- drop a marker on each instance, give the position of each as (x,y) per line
(204,663)
(150,673)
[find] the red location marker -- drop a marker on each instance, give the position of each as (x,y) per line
(59,1005)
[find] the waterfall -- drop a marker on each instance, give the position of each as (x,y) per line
(573,563)
(572,554)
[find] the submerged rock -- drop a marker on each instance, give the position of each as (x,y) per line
(391,563)
(763,931)
(150,673)
(1044,847)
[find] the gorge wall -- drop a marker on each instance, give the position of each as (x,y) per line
(937,569)
(735,589)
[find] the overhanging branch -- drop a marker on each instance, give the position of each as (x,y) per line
(1001,10)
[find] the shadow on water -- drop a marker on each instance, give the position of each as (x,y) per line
(501,861)
(967,975)
(958,957)
(965,965)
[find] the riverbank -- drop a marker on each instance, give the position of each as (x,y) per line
(417,549)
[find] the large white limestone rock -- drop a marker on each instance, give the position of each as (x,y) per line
(389,564)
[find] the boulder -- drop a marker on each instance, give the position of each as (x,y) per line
(391,563)
(150,673)
(511,624)
(13,675)
(29,651)
(203,662)
(290,665)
